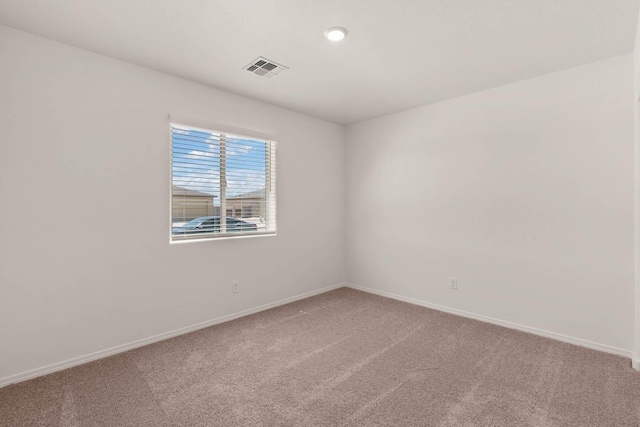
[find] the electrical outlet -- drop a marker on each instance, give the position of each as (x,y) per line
(235,286)
(453,283)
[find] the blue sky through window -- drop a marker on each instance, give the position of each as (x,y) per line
(196,162)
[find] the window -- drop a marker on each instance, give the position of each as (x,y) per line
(214,172)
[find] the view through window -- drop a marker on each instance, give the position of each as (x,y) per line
(223,185)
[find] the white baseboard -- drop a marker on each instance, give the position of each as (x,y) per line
(146,341)
(506,324)
(635,364)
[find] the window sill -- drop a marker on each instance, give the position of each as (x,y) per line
(228,236)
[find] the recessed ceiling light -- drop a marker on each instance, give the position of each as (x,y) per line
(335,34)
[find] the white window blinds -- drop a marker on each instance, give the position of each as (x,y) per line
(223,185)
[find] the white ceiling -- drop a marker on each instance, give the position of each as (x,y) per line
(399,53)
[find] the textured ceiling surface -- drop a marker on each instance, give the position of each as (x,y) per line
(399,54)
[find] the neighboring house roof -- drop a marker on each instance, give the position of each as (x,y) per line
(257,194)
(181,191)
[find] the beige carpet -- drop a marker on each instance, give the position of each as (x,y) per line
(344,358)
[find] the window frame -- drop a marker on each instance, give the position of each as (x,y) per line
(270,178)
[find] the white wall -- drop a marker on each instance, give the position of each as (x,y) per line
(525,193)
(636,101)
(82,135)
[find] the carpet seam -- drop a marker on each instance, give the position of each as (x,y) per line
(146,383)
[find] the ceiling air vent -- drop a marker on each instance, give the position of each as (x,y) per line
(265,67)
